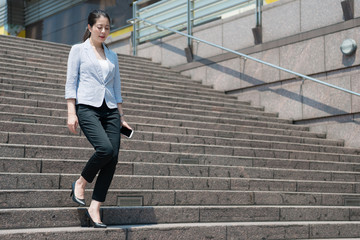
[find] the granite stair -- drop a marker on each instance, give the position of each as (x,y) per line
(201,164)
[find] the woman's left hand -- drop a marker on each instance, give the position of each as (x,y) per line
(125,124)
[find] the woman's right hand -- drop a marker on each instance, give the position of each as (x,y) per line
(72,123)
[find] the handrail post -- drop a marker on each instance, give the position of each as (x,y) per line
(135,35)
(259,4)
(257,31)
(190,21)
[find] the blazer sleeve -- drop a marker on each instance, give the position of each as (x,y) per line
(72,76)
(117,81)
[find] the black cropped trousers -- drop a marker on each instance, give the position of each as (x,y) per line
(101,127)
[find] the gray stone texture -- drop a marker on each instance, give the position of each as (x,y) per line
(41,218)
(268,231)
(198,74)
(342,230)
(214,35)
(317,14)
(229,77)
(305,57)
(202,232)
(237,33)
(254,73)
(213,198)
(356,8)
(239,214)
(172,50)
(320,100)
(283,96)
(310,214)
(253,96)
(342,130)
(65,233)
(150,215)
(152,50)
(281,21)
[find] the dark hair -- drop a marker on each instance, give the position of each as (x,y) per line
(93,16)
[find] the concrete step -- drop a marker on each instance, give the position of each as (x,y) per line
(33,151)
(25,43)
(49,73)
(12,181)
(185,170)
(36,165)
(142,103)
(148,132)
(61,233)
(31,43)
(123,62)
(197,96)
(186,231)
(166,107)
(160,112)
(45,56)
(146,86)
(37,93)
(49,56)
(155,122)
(38,60)
(65,217)
(45,198)
(148,97)
(177,150)
(126,83)
(165,142)
(176,125)
(124,68)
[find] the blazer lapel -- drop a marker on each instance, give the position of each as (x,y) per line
(110,64)
(93,59)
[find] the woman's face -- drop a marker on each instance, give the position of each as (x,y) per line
(100,30)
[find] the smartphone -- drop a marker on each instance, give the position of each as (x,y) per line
(127,132)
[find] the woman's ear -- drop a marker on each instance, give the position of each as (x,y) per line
(89,27)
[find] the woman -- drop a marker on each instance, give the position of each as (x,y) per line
(94,101)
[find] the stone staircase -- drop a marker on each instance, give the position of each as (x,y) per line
(201,164)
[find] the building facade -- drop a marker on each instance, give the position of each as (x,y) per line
(60,21)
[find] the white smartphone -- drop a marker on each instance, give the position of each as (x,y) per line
(127,132)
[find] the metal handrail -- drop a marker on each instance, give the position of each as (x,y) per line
(133,21)
(169,12)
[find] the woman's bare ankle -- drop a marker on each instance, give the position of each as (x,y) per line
(94,211)
(80,188)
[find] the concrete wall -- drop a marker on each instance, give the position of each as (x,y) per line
(300,35)
(280,19)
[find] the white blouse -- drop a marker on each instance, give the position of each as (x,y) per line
(105,67)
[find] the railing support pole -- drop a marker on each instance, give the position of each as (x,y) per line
(190,23)
(259,4)
(135,36)
(257,30)
(190,17)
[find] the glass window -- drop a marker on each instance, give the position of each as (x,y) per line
(68,26)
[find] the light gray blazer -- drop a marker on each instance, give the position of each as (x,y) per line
(85,81)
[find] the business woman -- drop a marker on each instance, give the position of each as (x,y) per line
(93,93)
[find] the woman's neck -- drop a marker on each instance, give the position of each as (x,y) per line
(96,44)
